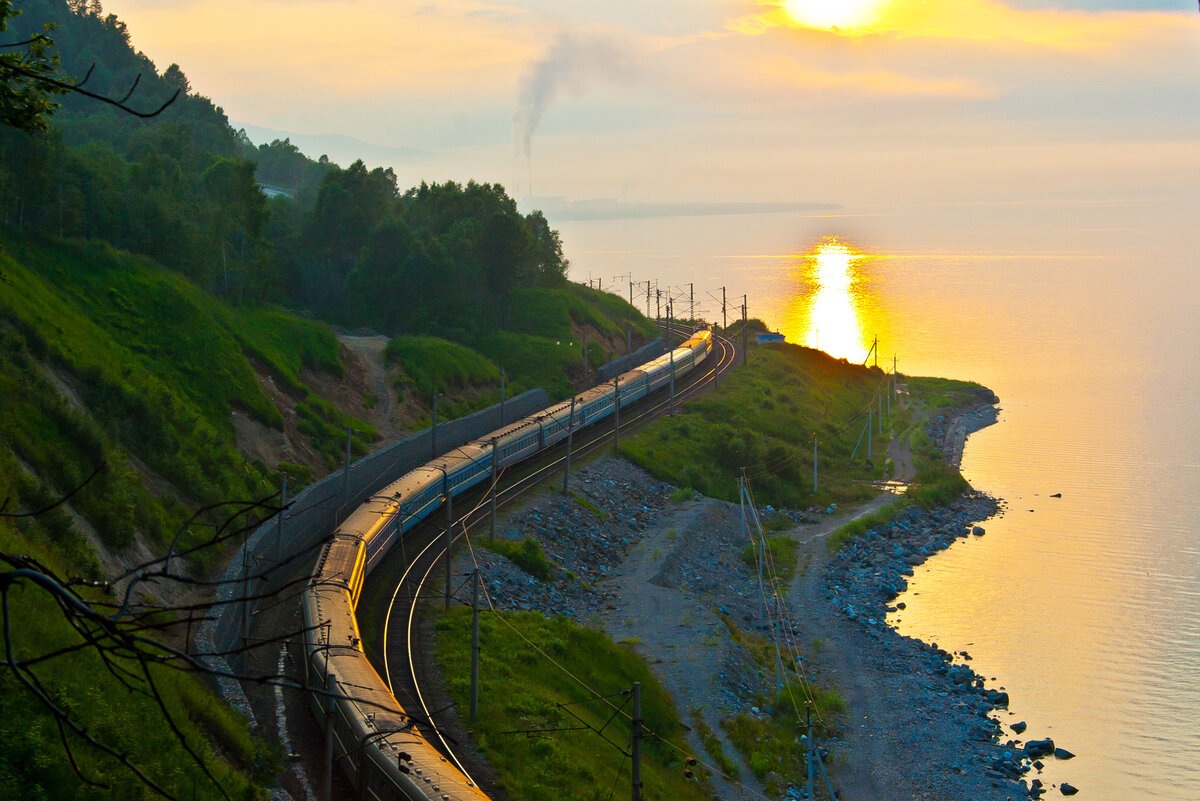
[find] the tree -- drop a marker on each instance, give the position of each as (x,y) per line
(30,76)
(174,76)
(28,83)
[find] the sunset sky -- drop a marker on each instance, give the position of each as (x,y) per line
(906,101)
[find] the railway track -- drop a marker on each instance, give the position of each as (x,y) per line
(416,561)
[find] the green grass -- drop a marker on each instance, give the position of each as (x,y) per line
(681,494)
(936,482)
(781,553)
(763,418)
(550,313)
(158,367)
(855,528)
(713,747)
(941,393)
(534,361)
(33,763)
(431,363)
(286,344)
(770,743)
(526,554)
(591,507)
(520,691)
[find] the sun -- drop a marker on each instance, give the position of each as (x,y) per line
(832,13)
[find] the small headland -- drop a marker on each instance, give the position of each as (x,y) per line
(671,574)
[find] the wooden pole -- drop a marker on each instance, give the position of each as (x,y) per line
(570,441)
(495,489)
(637,741)
(616,413)
(475,647)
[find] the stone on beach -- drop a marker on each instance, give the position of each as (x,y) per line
(1038,748)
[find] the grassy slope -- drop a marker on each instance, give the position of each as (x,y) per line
(763,417)
(936,482)
(158,367)
(32,762)
(154,367)
(520,690)
(540,348)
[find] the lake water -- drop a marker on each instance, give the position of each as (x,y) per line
(1085,320)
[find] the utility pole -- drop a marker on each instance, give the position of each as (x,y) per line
(745,333)
(346,469)
(433,430)
(502,388)
(658,307)
(724,319)
(647,298)
(449,527)
(616,413)
(495,489)
(869,433)
(475,646)
(814,463)
(692,295)
(279,522)
(879,398)
(570,440)
(670,309)
(637,741)
(327,778)
(808,751)
(628,338)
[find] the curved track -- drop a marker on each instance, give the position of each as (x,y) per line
(431,552)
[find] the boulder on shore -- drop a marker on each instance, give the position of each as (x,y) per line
(1039,748)
(1067,788)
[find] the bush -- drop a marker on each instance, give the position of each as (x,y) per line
(526,554)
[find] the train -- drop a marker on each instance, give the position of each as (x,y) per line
(382,751)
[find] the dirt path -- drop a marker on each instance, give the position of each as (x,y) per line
(370,350)
(670,579)
(677,630)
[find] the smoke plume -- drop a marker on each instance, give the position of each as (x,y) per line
(573,62)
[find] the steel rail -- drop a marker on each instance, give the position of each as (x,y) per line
(505,495)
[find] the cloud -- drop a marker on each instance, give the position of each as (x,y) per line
(984,20)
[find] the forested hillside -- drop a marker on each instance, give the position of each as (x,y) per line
(182,188)
(168,327)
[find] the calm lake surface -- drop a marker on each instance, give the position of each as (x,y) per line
(1085,320)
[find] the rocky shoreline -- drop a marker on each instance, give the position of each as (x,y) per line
(669,576)
(863,580)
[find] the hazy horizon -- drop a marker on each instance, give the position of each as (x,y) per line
(717,101)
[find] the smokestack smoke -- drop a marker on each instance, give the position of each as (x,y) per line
(572,62)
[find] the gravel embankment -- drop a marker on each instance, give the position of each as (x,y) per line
(670,577)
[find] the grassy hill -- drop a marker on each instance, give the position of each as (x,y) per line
(110,361)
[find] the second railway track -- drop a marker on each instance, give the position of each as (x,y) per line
(405,577)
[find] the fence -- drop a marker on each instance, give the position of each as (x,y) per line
(651,350)
(314,513)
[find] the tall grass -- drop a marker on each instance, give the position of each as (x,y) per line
(33,764)
(763,418)
(524,728)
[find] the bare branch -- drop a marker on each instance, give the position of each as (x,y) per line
(77,88)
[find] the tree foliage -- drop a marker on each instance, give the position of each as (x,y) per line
(26,99)
(186,190)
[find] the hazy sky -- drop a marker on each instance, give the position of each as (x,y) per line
(907,101)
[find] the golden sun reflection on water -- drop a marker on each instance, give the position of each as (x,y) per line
(829,311)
